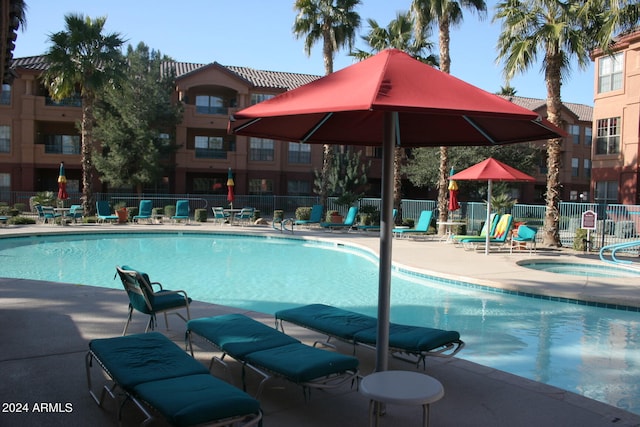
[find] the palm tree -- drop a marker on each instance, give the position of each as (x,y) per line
(559,32)
(12,17)
(334,22)
(83,58)
(399,34)
(445,14)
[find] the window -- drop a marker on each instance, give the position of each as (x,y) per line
(608,136)
(259,97)
(375,152)
(299,152)
(574,131)
(206,104)
(587,136)
(5,139)
(260,149)
(610,73)
(606,192)
(5,96)
(260,186)
(575,167)
(5,181)
(298,187)
(587,168)
(62,144)
(210,147)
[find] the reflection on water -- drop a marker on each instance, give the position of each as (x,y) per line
(591,351)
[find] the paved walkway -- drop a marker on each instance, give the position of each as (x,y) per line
(44,331)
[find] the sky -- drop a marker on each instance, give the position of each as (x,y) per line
(258,34)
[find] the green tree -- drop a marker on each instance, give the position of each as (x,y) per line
(347,177)
(136,122)
(399,34)
(334,23)
(444,14)
(560,32)
(83,58)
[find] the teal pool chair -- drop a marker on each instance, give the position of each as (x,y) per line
(272,353)
(244,216)
(47,215)
(76,212)
(421,228)
(314,218)
(146,300)
(525,238)
(376,227)
(104,212)
(144,211)
(182,211)
(494,218)
(498,238)
(160,378)
(348,223)
(219,215)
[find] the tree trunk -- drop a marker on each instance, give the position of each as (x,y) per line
(88,199)
(397,181)
(443,172)
(551,229)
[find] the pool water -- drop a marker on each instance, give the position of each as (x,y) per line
(591,351)
(582,269)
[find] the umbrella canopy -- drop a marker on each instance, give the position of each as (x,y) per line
(389,100)
(491,170)
(62,184)
(454,205)
(230,184)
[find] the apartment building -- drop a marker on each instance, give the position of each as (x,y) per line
(616,122)
(36,134)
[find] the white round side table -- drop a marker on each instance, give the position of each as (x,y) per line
(402,388)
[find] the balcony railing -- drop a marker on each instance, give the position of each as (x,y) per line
(72,101)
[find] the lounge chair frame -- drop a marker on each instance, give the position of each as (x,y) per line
(331,380)
(139,400)
(359,324)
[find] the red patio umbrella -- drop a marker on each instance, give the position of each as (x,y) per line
(491,170)
(389,100)
(454,205)
(230,184)
(62,184)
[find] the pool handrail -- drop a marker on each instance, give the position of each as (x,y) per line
(614,248)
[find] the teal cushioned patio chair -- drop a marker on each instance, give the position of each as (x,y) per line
(376,227)
(494,218)
(104,212)
(526,237)
(219,215)
(158,376)
(498,238)
(314,218)
(46,214)
(182,211)
(421,228)
(144,211)
(270,352)
(348,223)
(244,216)
(146,300)
(76,212)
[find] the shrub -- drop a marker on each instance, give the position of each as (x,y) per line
(278,215)
(580,240)
(21,220)
(200,215)
(20,207)
(170,210)
(303,212)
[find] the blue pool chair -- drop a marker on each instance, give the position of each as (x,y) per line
(314,218)
(144,211)
(104,212)
(421,228)
(182,211)
(348,223)
(526,237)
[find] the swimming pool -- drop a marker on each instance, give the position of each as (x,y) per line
(589,350)
(581,269)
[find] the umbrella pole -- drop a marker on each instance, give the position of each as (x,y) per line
(488,237)
(384,275)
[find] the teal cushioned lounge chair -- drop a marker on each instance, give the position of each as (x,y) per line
(494,218)
(526,237)
(146,300)
(144,211)
(498,238)
(154,373)
(348,223)
(270,352)
(417,342)
(421,228)
(104,212)
(314,218)
(182,211)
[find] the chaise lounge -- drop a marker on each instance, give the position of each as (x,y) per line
(270,352)
(154,373)
(359,329)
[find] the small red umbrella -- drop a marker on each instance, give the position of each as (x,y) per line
(230,184)
(491,170)
(454,205)
(62,184)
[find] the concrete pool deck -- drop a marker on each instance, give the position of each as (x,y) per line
(44,331)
